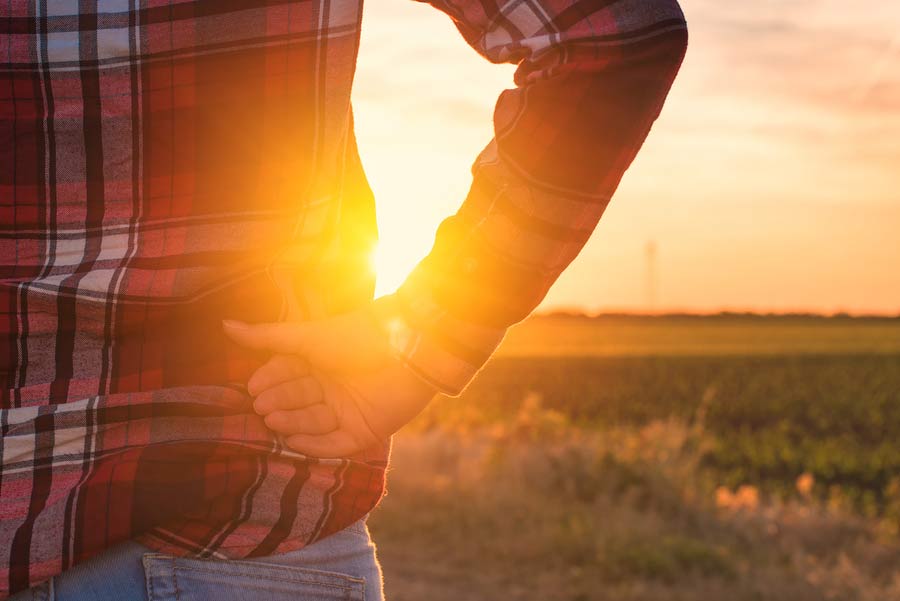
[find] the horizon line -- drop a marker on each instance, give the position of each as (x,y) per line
(580,313)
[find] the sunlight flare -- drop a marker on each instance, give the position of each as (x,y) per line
(391,263)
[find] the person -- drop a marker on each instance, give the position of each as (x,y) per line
(198,385)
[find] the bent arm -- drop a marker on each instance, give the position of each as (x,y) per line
(592,77)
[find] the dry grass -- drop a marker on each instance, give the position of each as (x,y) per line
(539,509)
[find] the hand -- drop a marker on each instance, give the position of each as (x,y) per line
(332,387)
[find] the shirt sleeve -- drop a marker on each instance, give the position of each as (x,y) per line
(592,77)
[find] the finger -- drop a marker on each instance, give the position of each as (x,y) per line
(277,370)
(314,420)
(338,443)
(294,394)
(288,338)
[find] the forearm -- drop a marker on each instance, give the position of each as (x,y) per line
(563,139)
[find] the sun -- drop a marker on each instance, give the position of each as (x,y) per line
(391,262)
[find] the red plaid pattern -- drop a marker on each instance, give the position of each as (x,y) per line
(168,164)
(592,78)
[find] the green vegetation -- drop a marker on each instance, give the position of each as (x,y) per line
(726,457)
(706,335)
(827,412)
(538,509)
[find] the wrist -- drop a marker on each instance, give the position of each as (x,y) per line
(390,321)
(399,335)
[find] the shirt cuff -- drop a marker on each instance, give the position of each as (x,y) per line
(443,351)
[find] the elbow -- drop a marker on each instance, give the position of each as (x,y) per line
(679,44)
(672,31)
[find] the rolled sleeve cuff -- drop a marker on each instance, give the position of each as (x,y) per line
(445,352)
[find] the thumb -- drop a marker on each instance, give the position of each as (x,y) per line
(349,342)
(282,337)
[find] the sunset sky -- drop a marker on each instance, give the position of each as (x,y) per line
(771,181)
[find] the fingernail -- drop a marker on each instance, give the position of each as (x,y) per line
(273,420)
(231,323)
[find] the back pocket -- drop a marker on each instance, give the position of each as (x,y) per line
(187,579)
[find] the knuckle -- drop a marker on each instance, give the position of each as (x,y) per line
(284,396)
(279,422)
(310,389)
(293,391)
(313,422)
(295,394)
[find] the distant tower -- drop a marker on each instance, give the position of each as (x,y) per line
(650,276)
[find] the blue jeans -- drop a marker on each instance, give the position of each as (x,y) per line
(342,566)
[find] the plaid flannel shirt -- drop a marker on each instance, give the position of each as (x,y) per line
(165,164)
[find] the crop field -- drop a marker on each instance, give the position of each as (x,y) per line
(631,457)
